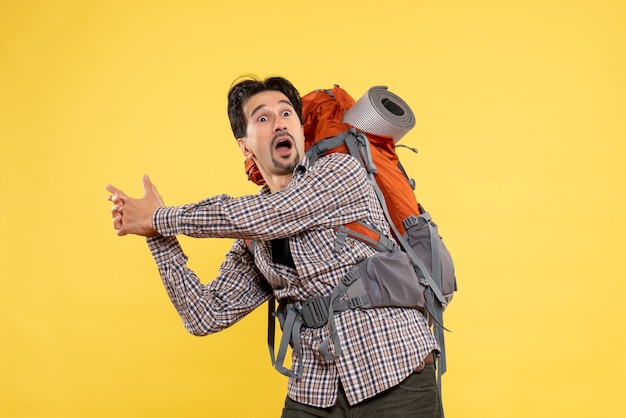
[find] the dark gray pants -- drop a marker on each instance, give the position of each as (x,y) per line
(417,396)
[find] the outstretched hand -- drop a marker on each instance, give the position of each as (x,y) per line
(134,216)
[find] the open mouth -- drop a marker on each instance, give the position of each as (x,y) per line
(283,144)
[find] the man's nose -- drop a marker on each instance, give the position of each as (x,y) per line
(279,125)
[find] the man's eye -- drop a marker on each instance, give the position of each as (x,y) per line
(286,112)
(262,119)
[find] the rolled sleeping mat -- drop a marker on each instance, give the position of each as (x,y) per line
(381,112)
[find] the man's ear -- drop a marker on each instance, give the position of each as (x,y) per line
(243,146)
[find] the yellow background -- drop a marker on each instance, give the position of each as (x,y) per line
(521,129)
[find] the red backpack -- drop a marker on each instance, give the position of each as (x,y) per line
(323,116)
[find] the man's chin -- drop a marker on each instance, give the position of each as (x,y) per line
(287,165)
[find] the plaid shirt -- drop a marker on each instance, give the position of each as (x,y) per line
(380,347)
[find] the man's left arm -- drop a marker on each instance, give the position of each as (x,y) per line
(332,192)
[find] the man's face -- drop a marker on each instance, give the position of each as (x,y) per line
(274,136)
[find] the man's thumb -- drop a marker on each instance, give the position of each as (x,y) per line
(147,184)
(149,189)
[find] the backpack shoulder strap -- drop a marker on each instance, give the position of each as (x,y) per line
(322,147)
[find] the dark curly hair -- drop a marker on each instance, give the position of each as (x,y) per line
(247,86)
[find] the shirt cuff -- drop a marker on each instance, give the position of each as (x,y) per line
(165,220)
(163,248)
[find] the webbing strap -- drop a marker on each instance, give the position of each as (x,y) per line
(271,327)
(321,147)
(296,318)
(352,286)
(434,244)
(332,335)
(291,333)
(439,337)
(436,258)
(315,312)
(357,146)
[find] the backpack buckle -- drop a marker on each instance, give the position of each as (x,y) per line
(351,276)
(315,311)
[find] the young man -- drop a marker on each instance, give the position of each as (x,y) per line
(385,365)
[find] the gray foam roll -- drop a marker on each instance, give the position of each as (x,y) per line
(381,112)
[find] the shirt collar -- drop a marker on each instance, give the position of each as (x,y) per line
(298,171)
(301,168)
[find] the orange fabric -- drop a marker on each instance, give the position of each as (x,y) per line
(400,198)
(322,116)
(254,175)
(363,230)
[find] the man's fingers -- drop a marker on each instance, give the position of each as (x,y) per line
(117,223)
(116,194)
(113,190)
(116,209)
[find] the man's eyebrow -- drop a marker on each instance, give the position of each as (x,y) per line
(259,107)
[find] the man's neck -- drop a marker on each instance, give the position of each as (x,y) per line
(278,182)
